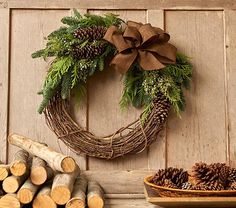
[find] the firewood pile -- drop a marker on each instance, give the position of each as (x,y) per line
(40,177)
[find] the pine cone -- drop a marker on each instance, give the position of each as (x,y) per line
(233,186)
(187,186)
(175,175)
(169,184)
(232,175)
(161,175)
(203,173)
(161,109)
(179,177)
(90,33)
(222,170)
(88,51)
(214,186)
(199,187)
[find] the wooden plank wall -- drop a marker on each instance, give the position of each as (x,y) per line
(205,30)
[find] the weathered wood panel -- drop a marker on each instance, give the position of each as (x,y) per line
(4,73)
(104,114)
(122,4)
(119,182)
(29,27)
(201,134)
(230,19)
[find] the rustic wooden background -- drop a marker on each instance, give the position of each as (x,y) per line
(205,30)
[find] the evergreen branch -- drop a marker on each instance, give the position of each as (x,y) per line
(66,85)
(49,91)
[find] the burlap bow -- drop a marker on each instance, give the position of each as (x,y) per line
(143,43)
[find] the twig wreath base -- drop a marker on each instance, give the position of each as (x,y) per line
(131,139)
(155,74)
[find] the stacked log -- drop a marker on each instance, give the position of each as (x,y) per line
(95,195)
(78,198)
(62,186)
(43,198)
(20,163)
(40,171)
(40,177)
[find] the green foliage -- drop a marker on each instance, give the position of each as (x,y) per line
(66,72)
(142,87)
(66,85)
(133,92)
(59,68)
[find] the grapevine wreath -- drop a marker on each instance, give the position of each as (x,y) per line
(154,75)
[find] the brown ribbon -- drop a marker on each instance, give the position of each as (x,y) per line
(143,43)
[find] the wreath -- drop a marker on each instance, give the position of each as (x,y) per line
(154,75)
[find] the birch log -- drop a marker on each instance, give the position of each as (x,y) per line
(20,164)
(43,199)
(55,160)
(78,198)
(40,172)
(10,201)
(27,192)
(62,186)
(95,196)
(4,171)
(12,183)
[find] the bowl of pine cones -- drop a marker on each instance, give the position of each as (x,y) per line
(216,179)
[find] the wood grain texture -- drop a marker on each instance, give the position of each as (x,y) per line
(121,4)
(230,44)
(128,203)
(29,29)
(201,133)
(157,151)
(104,114)
(4,74)
(119,182)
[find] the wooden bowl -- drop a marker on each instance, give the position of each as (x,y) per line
(170,192)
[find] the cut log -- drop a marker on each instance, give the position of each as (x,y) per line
(27,192)
(12,183)
(62,186)
(55,160)
(95,198)
(43,199)
(40,172)
(10,201)
(19,164)
(78,198)
(4,171)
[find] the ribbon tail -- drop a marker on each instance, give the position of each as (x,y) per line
(165,52)
(123,62)
(148,61)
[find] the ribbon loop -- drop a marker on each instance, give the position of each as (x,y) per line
(143,43)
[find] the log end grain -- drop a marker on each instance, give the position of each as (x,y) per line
(75,203)
(61,195)
(38,175)
(95,202)
(25,196)
(18,168)
(4,172)
(68,165)
(10,184)
(44,201)
(9,201)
